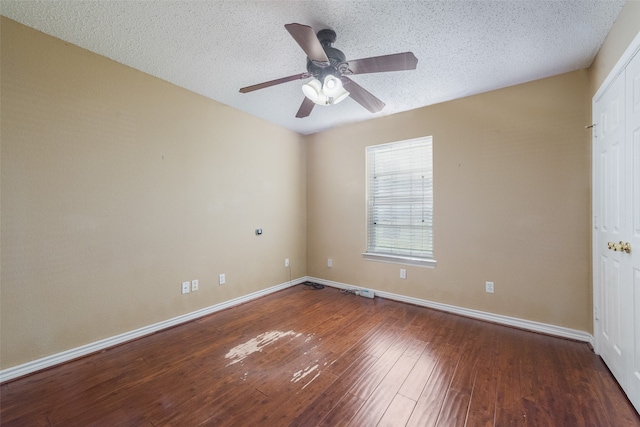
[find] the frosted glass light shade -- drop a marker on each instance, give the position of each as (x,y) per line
(332,85)
(327,93)
(341,97)
(334,90)
(312,90)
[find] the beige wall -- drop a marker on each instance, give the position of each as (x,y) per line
(117,186)
(624,30)
(511,202)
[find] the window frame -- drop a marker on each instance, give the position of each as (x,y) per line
(380,256)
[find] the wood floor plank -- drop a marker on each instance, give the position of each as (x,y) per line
(407,316)
(483,394)
(430,402)
(343,412)
(376,405)
(329,359)
(364,387)
(398,412)
(229,413)
(537,358)
(609,393)
(282,408)
(465,373)
(454,409)
(415,348)
(509,409)
(417,379)
(329,399)
(482,402)
(374,343)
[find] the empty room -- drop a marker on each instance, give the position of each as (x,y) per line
(320,213)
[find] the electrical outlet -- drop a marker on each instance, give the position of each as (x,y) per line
(489,287)
(185,287)
(403,273)
(194,285)
(286,262)
(329,263)
(221,279)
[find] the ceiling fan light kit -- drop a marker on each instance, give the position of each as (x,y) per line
(329,68)
(328,93)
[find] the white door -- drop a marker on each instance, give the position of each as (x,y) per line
(616,237)
(633,195)
(608,193)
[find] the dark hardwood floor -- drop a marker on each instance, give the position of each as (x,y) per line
(304,357)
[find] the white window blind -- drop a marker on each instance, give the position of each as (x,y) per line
(400,201)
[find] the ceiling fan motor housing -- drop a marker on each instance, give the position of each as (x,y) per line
(337,59)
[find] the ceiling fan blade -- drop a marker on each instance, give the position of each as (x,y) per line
(380,64)
(362,96)
(308,41)
(274,82)
(305,108)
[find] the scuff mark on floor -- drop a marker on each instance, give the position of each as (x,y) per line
(311,380)
(242,351)
(297,376)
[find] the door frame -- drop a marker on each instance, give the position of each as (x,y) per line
(621,64)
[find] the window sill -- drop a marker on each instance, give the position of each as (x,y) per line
(420,262)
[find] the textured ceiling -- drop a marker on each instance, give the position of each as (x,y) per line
(216,47)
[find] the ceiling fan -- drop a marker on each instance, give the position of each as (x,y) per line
(329,68)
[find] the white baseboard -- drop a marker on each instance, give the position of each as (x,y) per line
(74,353)
(529,325)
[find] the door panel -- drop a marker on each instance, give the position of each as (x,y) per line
(609,198)
(632,387)
(635,379)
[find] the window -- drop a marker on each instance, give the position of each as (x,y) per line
(400,202)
